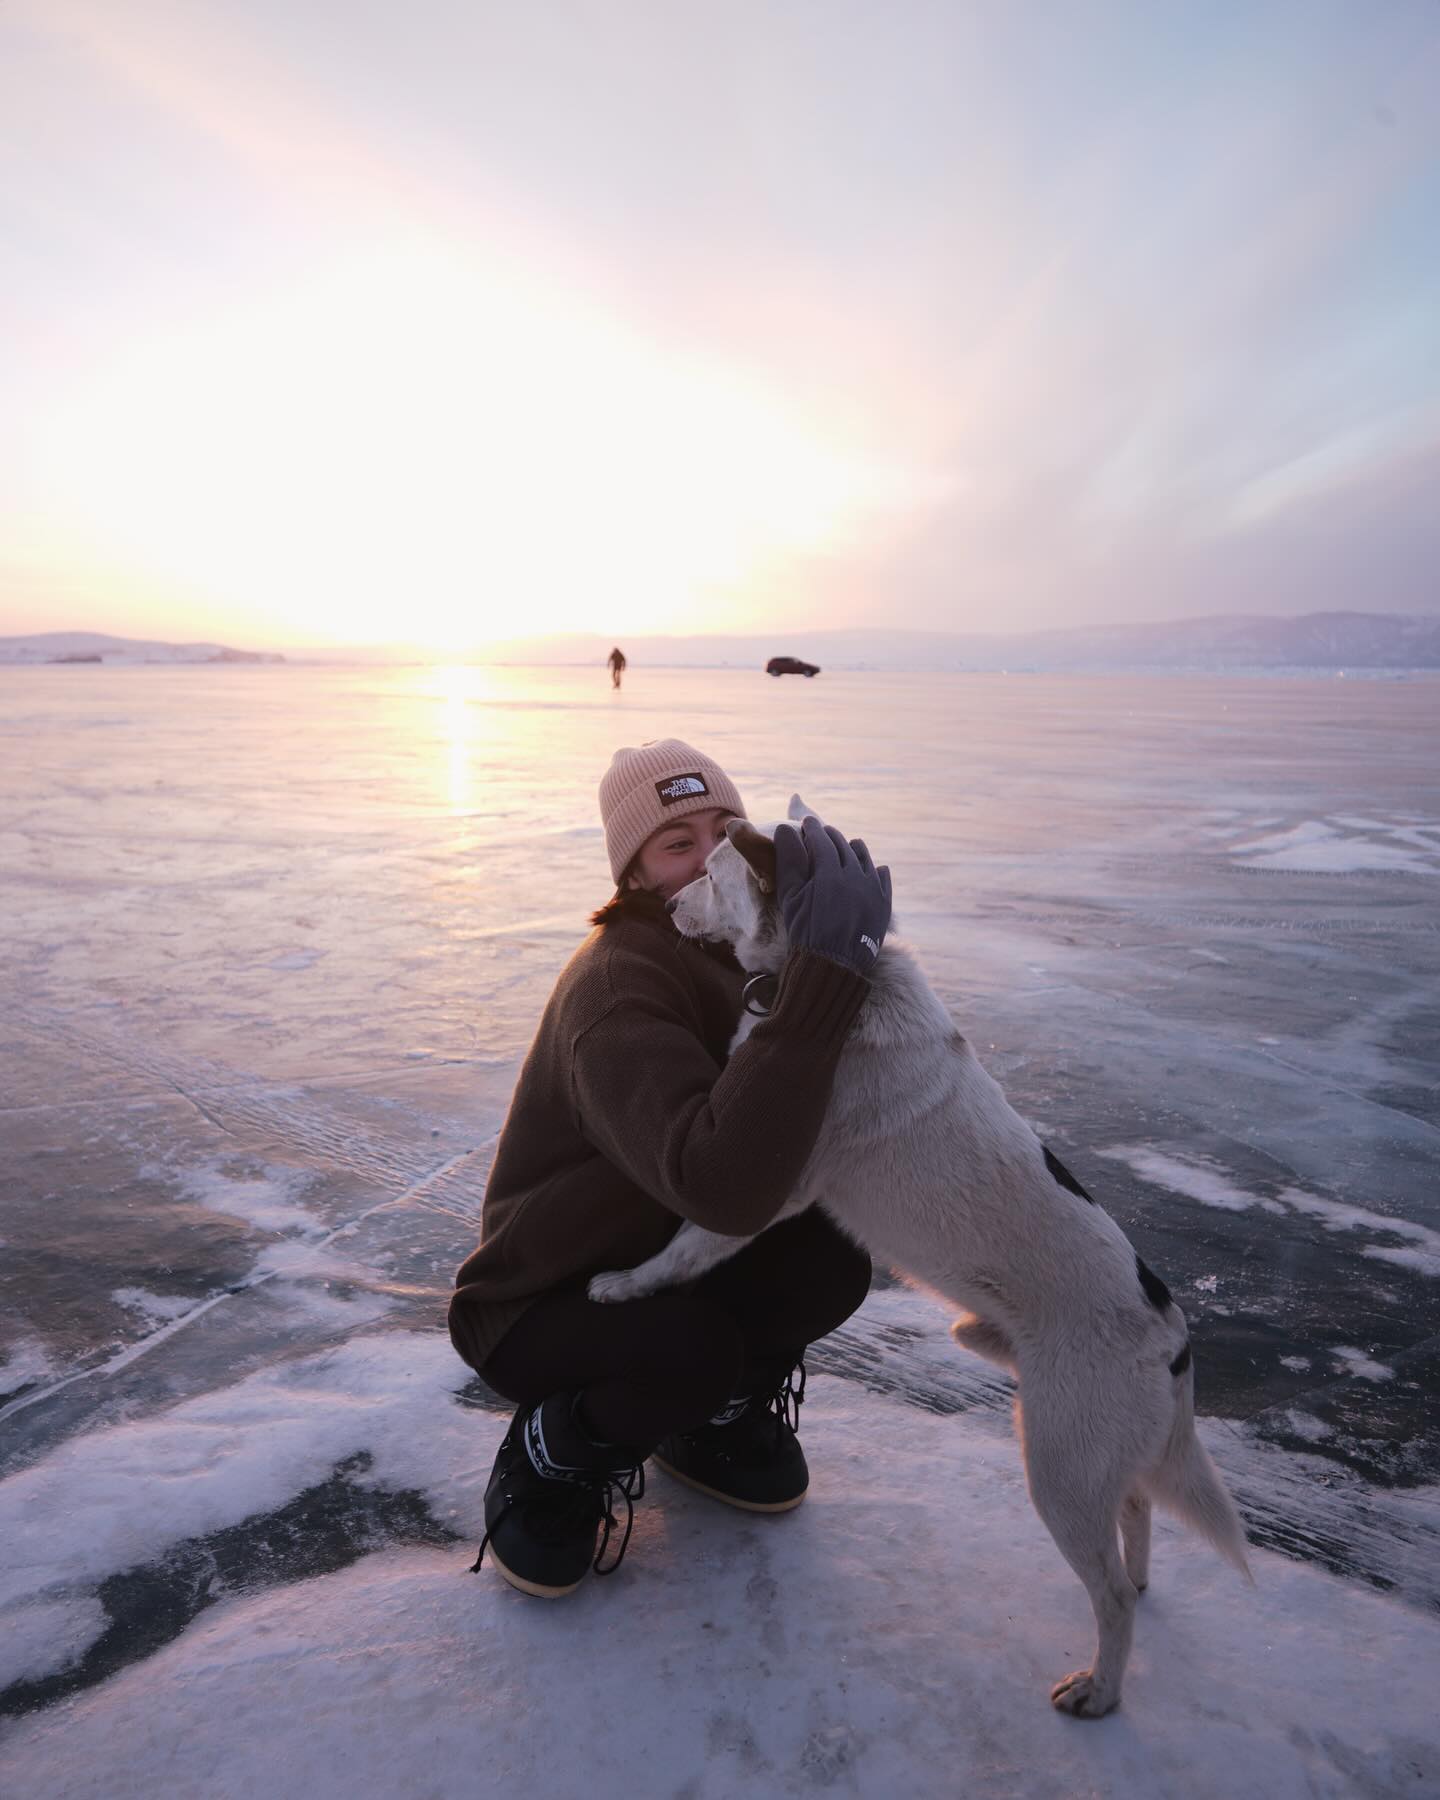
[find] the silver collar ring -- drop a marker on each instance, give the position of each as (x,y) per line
(759,995)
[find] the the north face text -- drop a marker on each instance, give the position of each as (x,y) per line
(680,787)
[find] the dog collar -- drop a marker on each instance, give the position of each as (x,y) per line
(759,995)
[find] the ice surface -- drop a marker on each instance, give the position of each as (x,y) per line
(275,944)
(893,1636)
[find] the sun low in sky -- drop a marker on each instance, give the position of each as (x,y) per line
(420,445)
(468,321)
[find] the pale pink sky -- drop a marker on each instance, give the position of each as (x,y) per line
(443,322)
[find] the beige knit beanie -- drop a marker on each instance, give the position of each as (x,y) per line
(646,788)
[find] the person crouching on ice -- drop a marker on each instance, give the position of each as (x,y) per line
(629,1117)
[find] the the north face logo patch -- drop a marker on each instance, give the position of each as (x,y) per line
(680,787)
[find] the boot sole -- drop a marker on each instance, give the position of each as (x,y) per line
(534,1588)
(760,1506)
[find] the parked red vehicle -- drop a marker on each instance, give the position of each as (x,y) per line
(790,665)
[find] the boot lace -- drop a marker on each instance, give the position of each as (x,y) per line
(753,1414)
(786,1401)
(580,1502)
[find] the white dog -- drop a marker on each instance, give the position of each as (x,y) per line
(923,1161)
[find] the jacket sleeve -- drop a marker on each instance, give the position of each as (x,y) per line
(721,1147)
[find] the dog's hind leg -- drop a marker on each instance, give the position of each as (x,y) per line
(1135,1536)
(1080,1506)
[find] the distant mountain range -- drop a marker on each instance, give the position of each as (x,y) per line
(95,646)
(1227,642)
(1335,640)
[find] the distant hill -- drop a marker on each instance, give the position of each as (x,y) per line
(95,646)
(1336,640)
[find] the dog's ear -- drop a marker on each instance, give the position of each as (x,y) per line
(757,849)
(798,809)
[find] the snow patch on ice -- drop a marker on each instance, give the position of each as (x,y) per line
(26,1363)
(1350,1361)
(1200,1180)
(311,1273)
(1424,1262)
(1307,1426)
(1409,828)
(154,1309)
(43,1636)
(1332,847)
(224,1456)
(1195,1180)
(267,1201)
(1336,1215)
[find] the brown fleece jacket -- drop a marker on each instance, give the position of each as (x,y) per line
(627,1117)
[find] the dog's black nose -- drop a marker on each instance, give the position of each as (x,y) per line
(670,906)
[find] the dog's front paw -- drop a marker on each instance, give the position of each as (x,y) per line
(1080,1695)
(614,1284)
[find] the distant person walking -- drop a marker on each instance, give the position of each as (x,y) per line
(617,666)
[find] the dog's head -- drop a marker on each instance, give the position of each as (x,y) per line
(733,902)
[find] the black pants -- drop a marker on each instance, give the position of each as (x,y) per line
(668,1362)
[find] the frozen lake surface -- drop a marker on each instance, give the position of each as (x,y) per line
(275,941)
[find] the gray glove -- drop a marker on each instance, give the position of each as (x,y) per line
(834,900)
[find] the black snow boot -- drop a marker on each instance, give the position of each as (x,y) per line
(749,1454)
(551,1495)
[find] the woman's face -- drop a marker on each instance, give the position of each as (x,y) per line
(672,857)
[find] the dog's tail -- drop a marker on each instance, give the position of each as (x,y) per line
(1186,1482)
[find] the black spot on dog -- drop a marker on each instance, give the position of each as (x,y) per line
(1181,1362)
(1064,1177)
(1156,1291)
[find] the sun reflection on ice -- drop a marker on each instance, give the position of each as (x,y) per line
(461,689)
